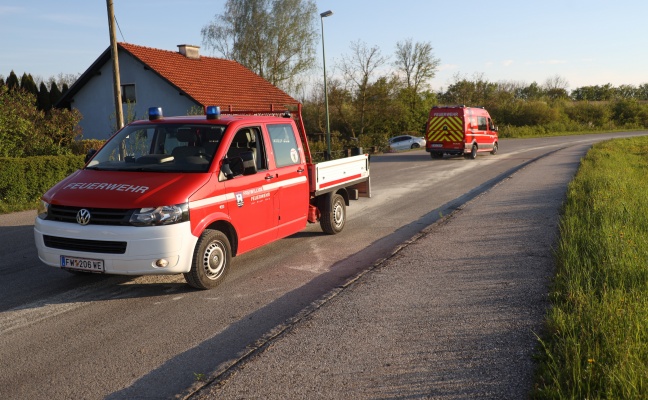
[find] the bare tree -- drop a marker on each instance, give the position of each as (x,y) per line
(359,69)
(274,38)
(417,62)
(556,82)
(556,87)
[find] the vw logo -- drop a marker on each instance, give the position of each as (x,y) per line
(83,217)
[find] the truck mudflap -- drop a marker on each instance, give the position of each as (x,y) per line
(351,173)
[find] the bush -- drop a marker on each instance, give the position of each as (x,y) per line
(81,147)
(27,131)
(590,114)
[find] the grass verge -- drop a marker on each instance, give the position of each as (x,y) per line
(596,343)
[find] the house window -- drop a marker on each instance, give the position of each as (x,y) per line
(128,93)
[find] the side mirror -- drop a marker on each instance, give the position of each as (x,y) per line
(90,154)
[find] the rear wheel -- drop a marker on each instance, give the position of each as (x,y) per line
(333,213)
(211,260)
(436,155)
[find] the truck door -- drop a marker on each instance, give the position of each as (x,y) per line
(482,127)
(492,133)
(291,177)
(252,208)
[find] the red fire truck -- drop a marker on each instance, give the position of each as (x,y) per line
(173,195)
(460,130)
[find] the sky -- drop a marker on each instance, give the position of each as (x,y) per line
(585,43)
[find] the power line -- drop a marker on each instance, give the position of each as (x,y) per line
(120,32)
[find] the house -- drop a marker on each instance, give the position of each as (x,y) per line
(180,82)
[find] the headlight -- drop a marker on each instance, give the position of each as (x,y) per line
(163,215)
(43,207)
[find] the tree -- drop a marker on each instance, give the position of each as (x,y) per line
(358,70)
(12,81)
(55,94)
(477,92)
(417,62)
(43,98)
(275,39)
(27,83)
(418,65)
(556,87)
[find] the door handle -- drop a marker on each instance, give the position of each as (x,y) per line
(300,170)
(268,177)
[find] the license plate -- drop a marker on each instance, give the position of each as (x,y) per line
(82,264)
(436,145)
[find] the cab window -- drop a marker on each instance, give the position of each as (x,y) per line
(482,125)
(284,144)
(249,139)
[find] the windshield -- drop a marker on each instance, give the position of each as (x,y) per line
(160,148)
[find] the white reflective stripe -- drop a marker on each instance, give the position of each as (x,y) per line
(286,183)
(224,198)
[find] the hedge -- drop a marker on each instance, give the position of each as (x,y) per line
(24,180)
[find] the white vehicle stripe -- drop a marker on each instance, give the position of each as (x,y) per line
(224,198)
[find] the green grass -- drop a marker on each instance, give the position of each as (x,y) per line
(596,344)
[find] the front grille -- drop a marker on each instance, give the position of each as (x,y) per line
(98,216)
(89,246)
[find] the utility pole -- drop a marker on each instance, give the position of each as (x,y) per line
(119,113)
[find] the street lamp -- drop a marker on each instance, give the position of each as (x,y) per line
(328,126)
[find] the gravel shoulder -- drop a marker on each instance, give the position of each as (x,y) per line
(454,314)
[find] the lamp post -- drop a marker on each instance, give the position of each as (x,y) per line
(328,126)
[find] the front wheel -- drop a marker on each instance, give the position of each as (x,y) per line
(495,148)
(415,146)
(473,153)
(333,213)
(211,260)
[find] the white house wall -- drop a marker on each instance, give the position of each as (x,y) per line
(95,99)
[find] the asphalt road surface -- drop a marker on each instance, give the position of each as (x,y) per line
(64,336)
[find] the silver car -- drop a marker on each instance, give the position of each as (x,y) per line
(405,142)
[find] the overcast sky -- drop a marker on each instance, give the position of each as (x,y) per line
(585,42)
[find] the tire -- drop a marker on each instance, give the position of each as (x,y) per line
(473,153)
(333,213)
(436,156)
(495,148)
(415,146)
(211,260)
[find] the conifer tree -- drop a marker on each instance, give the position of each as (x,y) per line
(27,83)
(43,98)
(12,81)
(55,94)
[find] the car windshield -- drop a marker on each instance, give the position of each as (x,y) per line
(160,148)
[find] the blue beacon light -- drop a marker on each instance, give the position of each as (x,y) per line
(212,112)
(155,113)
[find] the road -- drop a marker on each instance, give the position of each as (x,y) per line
(66,336)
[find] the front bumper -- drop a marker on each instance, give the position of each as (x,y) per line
(144,246)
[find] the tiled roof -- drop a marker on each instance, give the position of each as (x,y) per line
(212,81)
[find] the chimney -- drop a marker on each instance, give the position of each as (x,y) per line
(189,51)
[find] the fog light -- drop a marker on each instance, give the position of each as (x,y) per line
(161,263)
